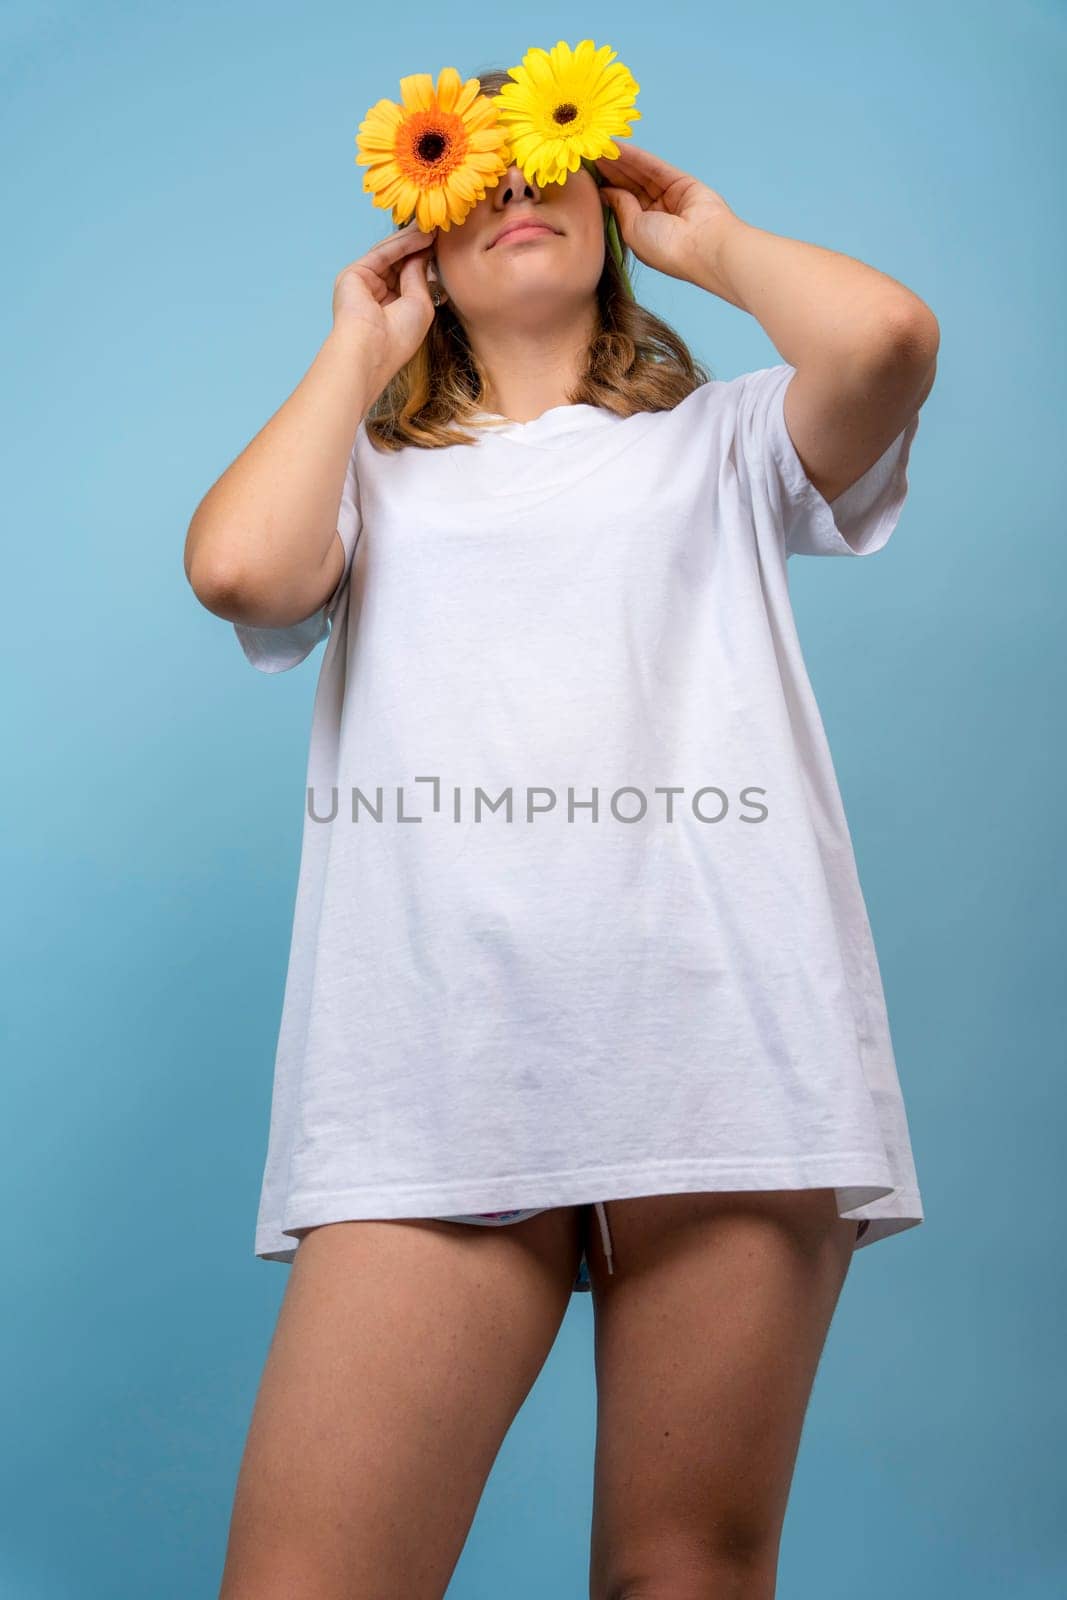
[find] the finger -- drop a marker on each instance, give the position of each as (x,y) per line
(651,181)
(412,276)
(625,205)
(643,165)
(390,274)
(387,252)
(625,180)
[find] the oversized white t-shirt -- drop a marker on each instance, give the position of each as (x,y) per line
(578,916)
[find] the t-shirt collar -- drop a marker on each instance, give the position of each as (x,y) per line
(551,424)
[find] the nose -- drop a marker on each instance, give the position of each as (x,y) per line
(512,186)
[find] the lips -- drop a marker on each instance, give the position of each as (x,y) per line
(528,225)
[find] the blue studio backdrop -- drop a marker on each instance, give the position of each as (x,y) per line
(179,193)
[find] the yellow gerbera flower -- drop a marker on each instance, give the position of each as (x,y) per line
(435,155)
(564,105)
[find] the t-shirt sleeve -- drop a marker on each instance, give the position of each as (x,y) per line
(278,649)
(860,521)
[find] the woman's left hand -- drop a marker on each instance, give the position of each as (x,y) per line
(669,219)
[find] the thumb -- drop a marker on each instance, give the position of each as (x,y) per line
(413,275)
(625,205)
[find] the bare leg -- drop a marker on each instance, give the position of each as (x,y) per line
(402,1353)
(708,1337)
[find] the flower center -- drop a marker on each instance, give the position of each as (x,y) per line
(565,112)
(430,147)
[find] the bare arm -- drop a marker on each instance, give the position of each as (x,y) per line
(263,547)
(864,346)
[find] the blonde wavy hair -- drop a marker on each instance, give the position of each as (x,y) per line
(635,362)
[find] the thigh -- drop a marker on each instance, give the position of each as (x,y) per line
(402,1352)
(708,1336)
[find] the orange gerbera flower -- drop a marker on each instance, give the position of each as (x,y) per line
(433,156)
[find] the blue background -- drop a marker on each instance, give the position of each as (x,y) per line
(179,193)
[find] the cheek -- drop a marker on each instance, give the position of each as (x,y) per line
(595,238)
(460,275)
(590,225)
(449,261)
(456,250)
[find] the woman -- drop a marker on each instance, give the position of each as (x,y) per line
(557,574)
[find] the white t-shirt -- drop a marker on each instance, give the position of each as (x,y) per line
(678,991)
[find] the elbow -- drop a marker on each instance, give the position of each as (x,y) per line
(236,595)
(218,593)
(218,587)
(255,591)
(917,339)
(901,357)
(911,333)
(212,575)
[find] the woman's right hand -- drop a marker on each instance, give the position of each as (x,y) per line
(384,294)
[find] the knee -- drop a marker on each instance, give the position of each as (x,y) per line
(738,1562)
